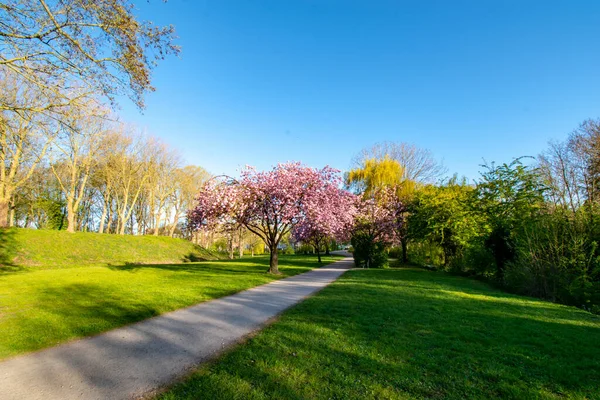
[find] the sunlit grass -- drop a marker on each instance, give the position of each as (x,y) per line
(408,333)
(29,249)
(41,308)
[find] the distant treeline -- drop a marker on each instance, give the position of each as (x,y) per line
(88,173)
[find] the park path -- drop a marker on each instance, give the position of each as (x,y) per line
(138,359)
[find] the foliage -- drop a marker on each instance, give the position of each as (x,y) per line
(368,253)
(444,215)
(408,333)
(332,217)
(557,261)
(376,174)
(378,225)
(508,195)
(533,229)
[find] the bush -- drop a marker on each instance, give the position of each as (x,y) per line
(395,252)
(425,253)
(289,250)
(305,249)
(557,258)
(368,253)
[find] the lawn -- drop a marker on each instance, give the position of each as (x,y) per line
(44,307)
(410,333)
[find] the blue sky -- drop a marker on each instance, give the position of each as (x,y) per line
(261,82)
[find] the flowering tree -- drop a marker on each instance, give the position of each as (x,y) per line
(269,203)
(378,224)
(331,218)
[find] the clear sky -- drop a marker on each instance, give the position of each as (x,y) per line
(260,82)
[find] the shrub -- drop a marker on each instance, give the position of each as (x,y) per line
(368,253)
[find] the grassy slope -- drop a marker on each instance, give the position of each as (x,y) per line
(39,249)
(64,298)
(411,334)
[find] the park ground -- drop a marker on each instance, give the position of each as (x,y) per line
(411,333)
(394,333)
(55,291)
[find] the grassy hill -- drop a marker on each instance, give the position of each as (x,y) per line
(42,249)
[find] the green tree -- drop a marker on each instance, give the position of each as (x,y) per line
(509,195)
(444,215)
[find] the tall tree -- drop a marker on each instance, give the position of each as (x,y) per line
(76,149)
(25,137)
(67,49)
(509,194)
(190,180)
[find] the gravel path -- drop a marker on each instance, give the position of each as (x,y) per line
(137,359)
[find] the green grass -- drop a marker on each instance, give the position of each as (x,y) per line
(39,249)
(51,303)
(409,333)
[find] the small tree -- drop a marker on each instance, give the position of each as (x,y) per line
(331,218)
(378,225)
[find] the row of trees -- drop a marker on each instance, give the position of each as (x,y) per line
(63,64)
(531,225)
(96,175)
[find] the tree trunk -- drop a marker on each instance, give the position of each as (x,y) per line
(71,220)
(404,243)
(172,229)
(11,216)
(318,253)
(274,262)
(230,245)
(4,213)
(103,218)
(241,243)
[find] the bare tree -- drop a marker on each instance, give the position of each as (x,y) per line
(162,183)
(189,181)
(418,164)
(76,150)
(134,165)
(24,140)
(572,168)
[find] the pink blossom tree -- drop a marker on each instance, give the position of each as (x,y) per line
(331,218)
(378,225)
(269,203)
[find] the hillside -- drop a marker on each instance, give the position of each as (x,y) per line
(42,249)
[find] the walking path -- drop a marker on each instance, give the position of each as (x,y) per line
(134,360)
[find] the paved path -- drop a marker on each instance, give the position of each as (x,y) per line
(131,361)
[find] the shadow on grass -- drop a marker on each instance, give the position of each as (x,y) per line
(289,265)
(379,334)
(8,250)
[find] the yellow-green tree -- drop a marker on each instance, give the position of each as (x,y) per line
(376,174)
